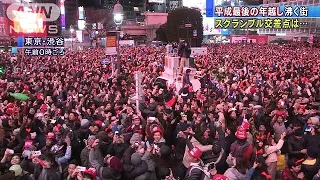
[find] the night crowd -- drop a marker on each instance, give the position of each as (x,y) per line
(256,116)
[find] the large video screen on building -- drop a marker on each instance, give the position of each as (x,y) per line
(28,24)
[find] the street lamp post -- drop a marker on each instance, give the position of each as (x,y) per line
(118,18)
(71,35)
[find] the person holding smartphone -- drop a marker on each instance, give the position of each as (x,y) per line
(113,167)
(157,134)
(84,174)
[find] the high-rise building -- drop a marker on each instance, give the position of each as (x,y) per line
(133,9)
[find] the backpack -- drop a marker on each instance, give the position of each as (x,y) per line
(236,149)
(206,174)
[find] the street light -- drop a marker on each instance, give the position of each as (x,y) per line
(71,35)
(118,18)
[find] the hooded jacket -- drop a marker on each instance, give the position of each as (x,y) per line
(140,171)
(234,174)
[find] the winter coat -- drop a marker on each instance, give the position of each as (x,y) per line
(151,166)
(104,173)
(84,156)
(126,160)
(140,172)
(295,146)
(272,152)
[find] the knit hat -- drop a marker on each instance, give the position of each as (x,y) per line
(10,105)
(108,130)
(57,128)
(28,144)
(84,122)
(43,108)
(92,172)
(17,170)
(280,113)
(156,129)
(241,133)
(196,153)
(50,135)
(136,159)
(220,177)
(91,138)
(135,138)
(115,164)
(98,123)
(315,120)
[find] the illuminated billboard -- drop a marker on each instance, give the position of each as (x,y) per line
(26,23)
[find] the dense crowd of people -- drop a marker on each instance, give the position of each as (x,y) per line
(256,116)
